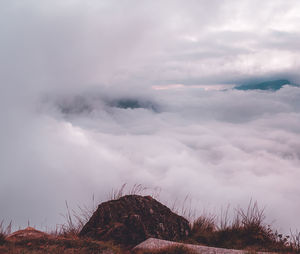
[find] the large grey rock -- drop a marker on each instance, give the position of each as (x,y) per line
(133,219)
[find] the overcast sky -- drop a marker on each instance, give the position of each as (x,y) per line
(65,66)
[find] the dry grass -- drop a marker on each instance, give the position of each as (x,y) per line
(59,245)
(4,231)
(294,241)
(136,189)
(184,208)
(247,230)
(74,220)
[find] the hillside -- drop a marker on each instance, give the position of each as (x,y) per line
(118,226)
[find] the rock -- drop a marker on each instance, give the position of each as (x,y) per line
(28,233)
(152,244)
(133,219)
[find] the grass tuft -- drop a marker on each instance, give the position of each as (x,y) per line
(74,220)
(4,231)
(136,189)
(247,230)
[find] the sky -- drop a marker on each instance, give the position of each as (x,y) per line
(69,70)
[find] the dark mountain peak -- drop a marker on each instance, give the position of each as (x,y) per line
(266,85)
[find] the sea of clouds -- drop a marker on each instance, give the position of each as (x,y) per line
(68,68)
(219,147)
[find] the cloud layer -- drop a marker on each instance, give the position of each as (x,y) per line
(69,70)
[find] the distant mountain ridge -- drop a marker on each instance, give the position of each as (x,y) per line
(267,85)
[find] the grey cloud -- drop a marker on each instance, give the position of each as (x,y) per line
(65,45)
